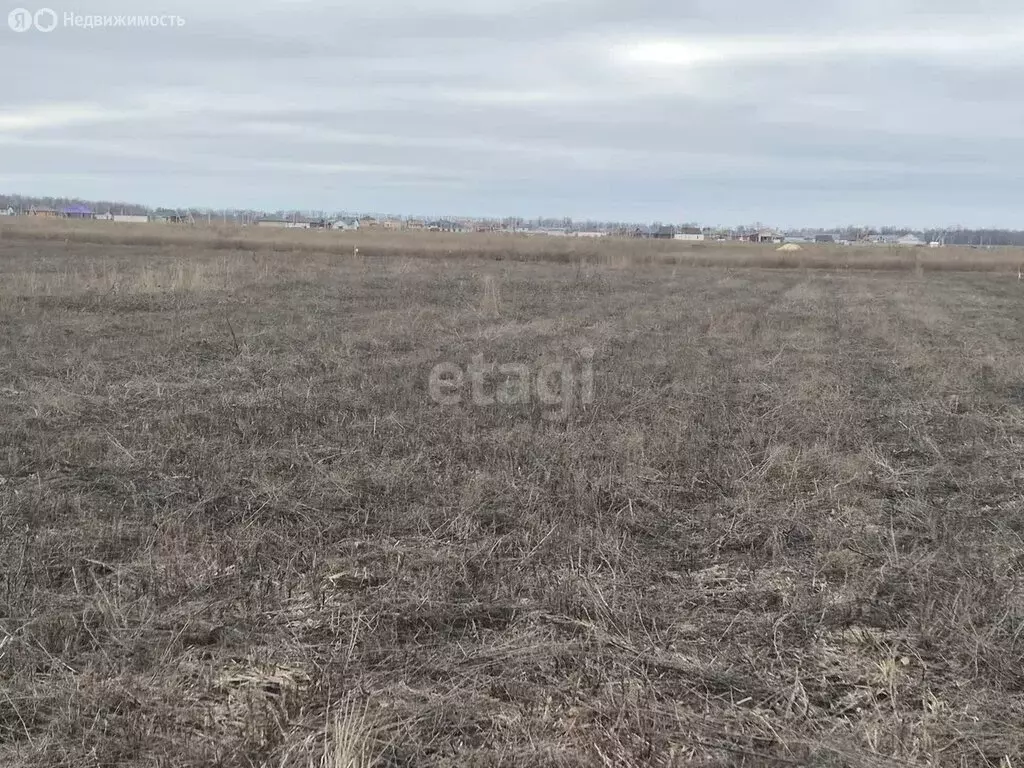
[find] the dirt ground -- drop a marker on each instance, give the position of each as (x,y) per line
(237,527)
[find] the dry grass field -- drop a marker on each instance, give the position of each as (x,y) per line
(606,251)
(236,529)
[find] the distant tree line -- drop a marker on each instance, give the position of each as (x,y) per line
(949,236)
(25,203)
(978,237)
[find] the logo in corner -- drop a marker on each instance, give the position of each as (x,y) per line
(20,20)
(45,19)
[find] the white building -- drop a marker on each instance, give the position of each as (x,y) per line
(911,240)
(345,224)
(129,218)
(590,234)
(693,234)
(282,224)
(8,211)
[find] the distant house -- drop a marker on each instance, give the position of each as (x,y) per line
(345,224)
(415,224)
(911,240)
(824,238)
(43,212)
(108,216)
(77,212)
(167,216)
(880,240)
(663,233)
(275,223)
(765,236)
(8,211)
(392,224)
(443,225)
(689,233)
(130,218)
(368,222)
(590,234)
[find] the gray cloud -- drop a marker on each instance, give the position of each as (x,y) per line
(724,111)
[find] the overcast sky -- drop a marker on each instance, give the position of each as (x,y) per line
(798,112)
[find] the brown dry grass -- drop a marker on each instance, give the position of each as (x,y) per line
(236,531)
(616,252)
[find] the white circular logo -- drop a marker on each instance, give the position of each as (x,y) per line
(20,20)
(45,20)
